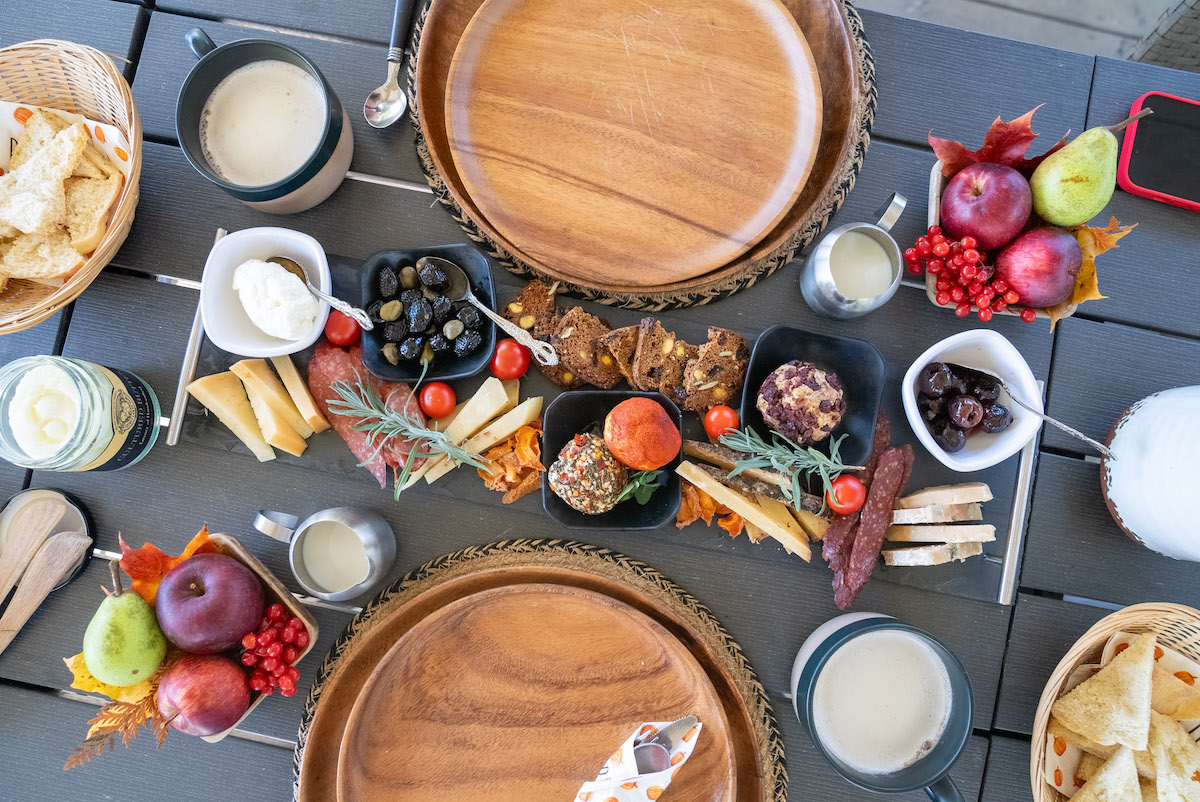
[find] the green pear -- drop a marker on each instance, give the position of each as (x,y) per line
(1074,184)
(123,644)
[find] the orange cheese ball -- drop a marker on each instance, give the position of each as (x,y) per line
(641,434)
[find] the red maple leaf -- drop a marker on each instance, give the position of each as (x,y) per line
(1005,143)
(148,565)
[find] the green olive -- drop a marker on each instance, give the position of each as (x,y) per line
(391,353)
(391,310)
(408,277)
(453,328)
(426,355)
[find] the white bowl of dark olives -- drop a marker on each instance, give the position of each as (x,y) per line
(962,415)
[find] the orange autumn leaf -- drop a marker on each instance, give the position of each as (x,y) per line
(1004,143)
(146,566)
(83,680)
(1093,241)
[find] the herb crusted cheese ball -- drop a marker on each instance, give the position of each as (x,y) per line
(801,402)
(587,476)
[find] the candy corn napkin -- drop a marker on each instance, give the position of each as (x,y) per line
(619,781)
(107,137)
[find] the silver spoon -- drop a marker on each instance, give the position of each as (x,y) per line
(1103,449)
(460,290)
(388,103)
(359,316)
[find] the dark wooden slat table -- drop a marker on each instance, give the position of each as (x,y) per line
(137,315)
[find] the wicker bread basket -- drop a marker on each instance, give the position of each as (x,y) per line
(1177,627)
(79,79)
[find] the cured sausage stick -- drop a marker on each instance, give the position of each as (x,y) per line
(891,475)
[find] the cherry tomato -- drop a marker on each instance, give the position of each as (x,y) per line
(341,329)
(437,400)
(510,361)
(719,420)
(847,496)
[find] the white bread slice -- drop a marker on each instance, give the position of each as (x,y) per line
(40,128)
(41,258)
(941,533)
(971,492)
(1113,706)
(1173,697)
(88,203)
(1089,764)
(1143,761)
(938,514)
(1176,759)
(1116,781)
(931,555)
(32,197)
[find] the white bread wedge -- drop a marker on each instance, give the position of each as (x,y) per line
(1176,759)
(31,197)
(1116,781)
(1090,764)
(931,555)
(47,259)
(938,514)
(88,203)
(946,495)
(40,128)
(942,533)
(1173,697)
(1113,706)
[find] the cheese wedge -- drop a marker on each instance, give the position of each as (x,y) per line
(275,430)
(941,533)
(931,555)
(224,396)
(753,532)
(938,514)
(444,424)
(791,536)
(496,432)
(814,525)
(787,529)
(490,400)
(256,373)
(298,390)
(946,495)
(512,388)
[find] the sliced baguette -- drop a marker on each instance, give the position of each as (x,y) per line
(40,128)
(946,495)
(931,555)
(941,533)
(88,203)
(938,514)
(31,197)
(47,259)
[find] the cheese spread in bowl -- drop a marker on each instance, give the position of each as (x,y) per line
(275,300)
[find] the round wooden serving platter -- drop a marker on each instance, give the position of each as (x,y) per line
(522,692)
(757,750)
(619,143)
(833,31)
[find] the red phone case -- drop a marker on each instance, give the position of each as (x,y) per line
(1127,151)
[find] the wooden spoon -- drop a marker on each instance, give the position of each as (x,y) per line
(26,534)
(54,561)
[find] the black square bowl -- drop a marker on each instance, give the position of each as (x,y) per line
(859,367)
(445,366)
(582,411)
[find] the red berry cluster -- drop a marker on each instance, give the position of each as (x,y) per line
(962,277)
(272,650)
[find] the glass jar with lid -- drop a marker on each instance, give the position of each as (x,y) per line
(64,414)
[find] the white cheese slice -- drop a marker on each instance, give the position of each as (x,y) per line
(786,529)
(814,525)
(496,432)
(942,533)
(298,390)
(225,397)
(971,492)
(762,516)
(256,373)
(274,428)
(931,555)
(489,401)
(938,514)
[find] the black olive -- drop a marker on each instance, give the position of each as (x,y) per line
(443,309)
(439,344)
(931,408)
(410,297)
(996,418)
(389,283)
(985,388)
(373,312)
(418,314)
(934,379)
(950,438)
(470,317)
(466,343)
(408,277)
(411,348)
(395,330)
(965,411)
(433,277)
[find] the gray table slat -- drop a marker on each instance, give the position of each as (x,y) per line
(370,20)
(352,69)
(1007,775)
(1043,629)
(1074,547)
(1101,369)
(1118,83)
(101,24)
(956,83)
(42,729)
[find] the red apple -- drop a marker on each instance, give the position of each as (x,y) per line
(1041,265)
(203,694)
(986,201)
(208,602)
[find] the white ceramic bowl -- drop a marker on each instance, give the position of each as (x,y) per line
(225,321)
(988,350)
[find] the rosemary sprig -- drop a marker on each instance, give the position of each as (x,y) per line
(786,457)
(381,423)
(641,486)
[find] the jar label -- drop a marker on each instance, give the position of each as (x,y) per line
(133,421)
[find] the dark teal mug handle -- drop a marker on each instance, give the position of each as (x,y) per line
(944,790)
(199,42)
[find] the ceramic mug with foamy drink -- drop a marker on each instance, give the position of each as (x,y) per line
(887,705)
(259,120)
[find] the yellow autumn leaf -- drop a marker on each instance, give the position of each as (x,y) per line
(1093,241)
(84,681)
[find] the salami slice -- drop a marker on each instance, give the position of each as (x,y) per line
(891,474)
(839,538)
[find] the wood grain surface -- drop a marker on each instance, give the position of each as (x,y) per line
(688,137)
(522,692)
